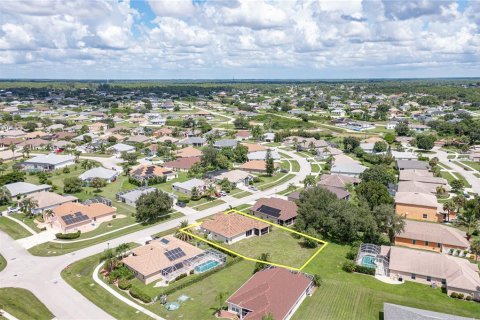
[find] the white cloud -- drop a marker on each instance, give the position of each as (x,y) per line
(172,8)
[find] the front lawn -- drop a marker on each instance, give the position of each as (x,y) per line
(315,168)
(209,204)
(281,178)
(13,229)
(28,220)
(22,304)
(280,244)
(354,296)
(55,249)
(295,165)
(474,165)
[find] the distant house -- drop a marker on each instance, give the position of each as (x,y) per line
(119,148)
(235,177)
(269,137)
(48,162)
(275,291)
(188,152)
(418,127)
(144,172)
(233,227)
(182,164)
(193,141)
(99,172)
(349,169)
(47,200)
(431,236)
(225,143)
(401,155)
(412,165)
(188,186)
(262,155)
(139,139)
(20,189)
(418,206)
(130,197)
(256,166)
(423,176)
(243,135)
(279,211)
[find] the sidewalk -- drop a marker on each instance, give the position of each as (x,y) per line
(38,238)
(20,223)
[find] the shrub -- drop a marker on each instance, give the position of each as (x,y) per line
(453,295)
(349,266)
(468,298)
(124,284)
(460,296)
(69,236)
(183,275)
(140,295)
(365,270)
(122,272)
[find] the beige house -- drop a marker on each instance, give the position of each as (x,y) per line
(418,206)
(233,227)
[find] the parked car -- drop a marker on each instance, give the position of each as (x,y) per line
(13,209)
(223,193)
(181,204)
(253,188)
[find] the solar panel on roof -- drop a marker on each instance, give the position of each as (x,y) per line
(165,241)
(274,212)
(76,217)
(174,254)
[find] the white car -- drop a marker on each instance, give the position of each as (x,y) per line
(13,209)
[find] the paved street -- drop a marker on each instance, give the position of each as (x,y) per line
(41,275)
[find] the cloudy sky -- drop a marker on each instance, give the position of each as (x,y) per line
(200,39)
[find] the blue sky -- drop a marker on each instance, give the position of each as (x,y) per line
(253,39)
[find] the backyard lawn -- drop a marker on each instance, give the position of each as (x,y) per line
(353,296)
(280,244)
(22,304)
(13,229)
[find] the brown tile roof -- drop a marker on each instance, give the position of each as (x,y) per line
(182,163)
(9,141)
(48,199)
(233,224)
(337,180)
(93,210)
(252,147)
(243,134)
(151,258)
(145,170)
(274,290)
(188,152)
(288,209)
(257,165)
(417,199)
(433,232)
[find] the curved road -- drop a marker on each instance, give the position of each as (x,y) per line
(41,275)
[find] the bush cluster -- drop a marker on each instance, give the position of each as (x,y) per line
(69,236)
(124,284)
(350,266)
(139,294)
(181,276)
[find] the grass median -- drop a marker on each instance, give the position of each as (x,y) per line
(23,304)
(13,229)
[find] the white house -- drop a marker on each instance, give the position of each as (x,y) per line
(48,162)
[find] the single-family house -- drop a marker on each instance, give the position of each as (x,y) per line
(412,165)
(418,206)
(130,197)
(233,227)
(99,172)
(235,177)
(275,291)
(20,189)
(48,162)
(351,169)
(193,141)
(276,210)
(225,143)
(431,236)
(188,186)
(47,200)
(145,172)
(188,152)
(182,164)
(262,155)
(120,148)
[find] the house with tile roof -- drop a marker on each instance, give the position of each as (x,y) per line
(418,206)
(276,210)
(274,291)
(233,227)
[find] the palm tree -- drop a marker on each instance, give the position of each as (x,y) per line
(265,257)
(111,260)
(449,207)
(211,191)
(220,300)
(459,201)
(309,181)
(475,248)
(25,150)
(27,205)
(468,219)
(77,154)
(12,148)
(122,249)
(440,190)
(48,214)
(182,235)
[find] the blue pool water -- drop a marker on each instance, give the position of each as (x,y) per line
(369,261)
(206,266)
(172,306)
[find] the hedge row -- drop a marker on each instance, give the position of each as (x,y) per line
(139,294)
(124,284)
(73,235)
(350,266)
(200,277)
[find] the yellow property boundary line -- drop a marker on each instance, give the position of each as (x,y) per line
(324,243)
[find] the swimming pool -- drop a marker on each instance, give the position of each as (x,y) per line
(210,264)
(369,261)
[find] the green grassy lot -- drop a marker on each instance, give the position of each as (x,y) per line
(79,276)
(243,207)
(3,263)
(55,249)
(315,168)
(29,221)
(209,204)
(282,246)
(22,304)
(240,194)
(451,156)
(110,226)
(447,176)
(353,296)
(13,229)
(462,178)
(474,165)
(295,166)
(281,179)
(285,165)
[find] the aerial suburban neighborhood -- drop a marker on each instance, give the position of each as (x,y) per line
(241,160)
